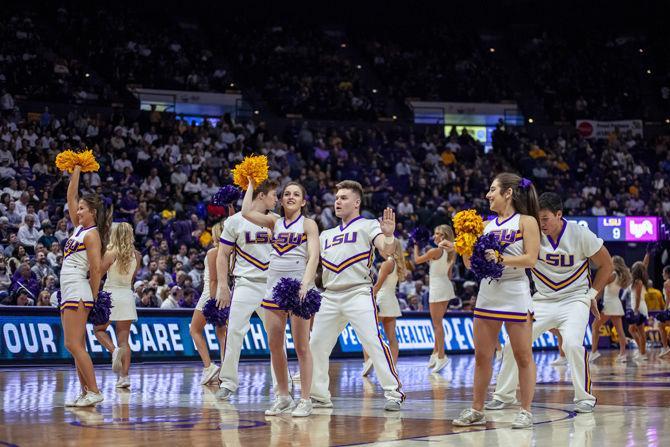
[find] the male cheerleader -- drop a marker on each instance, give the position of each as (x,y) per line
(346,255)
(251,245)
(563,299)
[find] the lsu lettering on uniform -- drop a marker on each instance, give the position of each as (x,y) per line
(562,278)
(508,298)
(251,248)
(288,257)
(74,283)
(346,257)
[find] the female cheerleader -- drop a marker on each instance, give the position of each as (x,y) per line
(440,291)
(638,291)
(83,257)
(613,309)
(389,307)
(198,321)
(289,259)
(123,262)
(664,317)
(507,299)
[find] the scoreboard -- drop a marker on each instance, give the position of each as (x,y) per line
(621,228)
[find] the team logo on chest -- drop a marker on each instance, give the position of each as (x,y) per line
(559,260)
(258,237)
(285,242)
(346,238)
(72,246)
(507,237)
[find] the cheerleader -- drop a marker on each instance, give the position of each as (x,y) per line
(290,258)
(198,322)
(508,299)
(80,282)
(440,291)
(640,313)
(613,309)
(123,262)
(664,317)
(387,302)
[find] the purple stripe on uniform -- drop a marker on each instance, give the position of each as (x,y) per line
(571,278)
(386,350)
(497,319)
(225,336)
(560,235)
(346,260)
(352,221)
(247,254)
(287,226)
(504,221)
(225,242)
(519,314)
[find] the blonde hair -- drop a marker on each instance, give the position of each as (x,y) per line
(398,256)
(217,229)
(122,241)
(448,233)
(624,278)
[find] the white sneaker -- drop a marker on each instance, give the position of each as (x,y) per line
(432,361)
(621,358)
(367,367)
(224,393)
(496,404)
(440,364)
(90,399)
(283,404)
(117,360)
(303,409)
(470,417)
(523,419)
(321,404)
(594,356)
(664,352)
(123,382)
(209,373)
(296,377)
(73,403)
(392,405)
(560,361)
(584,407)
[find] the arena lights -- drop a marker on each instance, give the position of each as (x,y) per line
(492,50)
(232,84)
(87,75)
(531,120)
(343,45)
(256,112)
(667,121)
(648,71)
(395,117)
(641,50)
(359,66)
(374,90)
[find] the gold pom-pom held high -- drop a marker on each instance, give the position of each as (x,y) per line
(255,166)
(68,159)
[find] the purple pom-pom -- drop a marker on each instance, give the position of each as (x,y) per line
(185,304)
(214,315)
(663,316)
(226,195)
(286,293)
(632,318)
(478,263)
(102,309)
(419,236)
(306,308)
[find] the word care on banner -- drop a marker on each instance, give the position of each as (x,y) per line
(601,129)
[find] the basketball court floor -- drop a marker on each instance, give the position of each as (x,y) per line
(167,406)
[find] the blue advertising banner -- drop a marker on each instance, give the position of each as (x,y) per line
(36,336)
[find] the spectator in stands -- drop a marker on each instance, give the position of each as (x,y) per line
(44,299)
(28,234)
(42,269)
(19,298)
(172,301)
(148,298)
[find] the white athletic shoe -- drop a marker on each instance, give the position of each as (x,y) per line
(117,360)
(283,404)
(321,404)
(90,399)
(224,393)
(584,407)
(523,419)
(367,367)
(440,364)
(303,409)
(621,358)
(560,361)
(432,361)
(496,404)
(664,352)
(73,403)
(123,382)
(209,373)
(470,417)
(594,356)
(392,405)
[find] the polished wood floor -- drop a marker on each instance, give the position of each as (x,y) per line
(167,406)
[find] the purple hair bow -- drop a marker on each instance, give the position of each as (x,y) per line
(524,183)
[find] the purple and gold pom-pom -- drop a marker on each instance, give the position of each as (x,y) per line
(226,195)
(479,265)
(309,306)
(102,309)
(213,315)
(286,293)
(420,236)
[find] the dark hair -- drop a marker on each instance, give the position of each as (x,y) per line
(304,196)
(666,269)
(639,273)
(103,218)
(551,201)
(352,185)
(265,188)
(524,199)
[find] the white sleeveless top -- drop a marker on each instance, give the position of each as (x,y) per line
(509,235)
(117,279)
(289,245)
(612,291)
(439,268)
(205,281)
(390,283)
(643,303)
(75,262)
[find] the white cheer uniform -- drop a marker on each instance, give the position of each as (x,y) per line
(346,257)
(288,257)
(206,293)
(507,298)
(612,299)
(562,278)
(386,299)
(74,285)
(119,285)
(440,287)
(251,248)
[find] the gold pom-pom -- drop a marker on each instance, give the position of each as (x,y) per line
(465,244)
(68,159)
(468,221)
(255,166)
